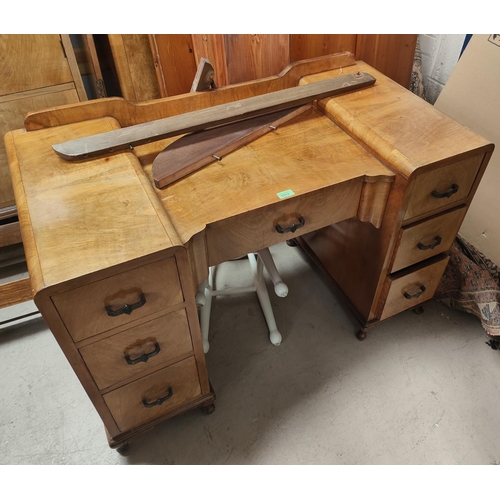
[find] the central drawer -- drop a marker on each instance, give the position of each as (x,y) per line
(115,301)
(286,219)
(154,395)
(131,353)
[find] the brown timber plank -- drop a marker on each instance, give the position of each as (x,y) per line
(15,292)
(123,139)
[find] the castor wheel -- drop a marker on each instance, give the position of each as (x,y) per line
(123,449)
(361,335)
(208,409)
(418,310)
(291,243)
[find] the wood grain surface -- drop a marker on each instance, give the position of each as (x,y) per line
(127,405)
(407,290)
(32,62)
(134,66)
(174,63)
(112,360)
(306,154)
(376,117)
(311,45)
(194,151)
(434,236)
(70,198)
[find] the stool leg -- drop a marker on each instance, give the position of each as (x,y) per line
(205,311)
(265,302)
(200,294)
(280,289)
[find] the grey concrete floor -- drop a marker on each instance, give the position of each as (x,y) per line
(421,389)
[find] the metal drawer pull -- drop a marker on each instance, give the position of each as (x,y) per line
(291,228)
(453,189)
(437,240)
(414,296)
(127,308)
(143,357)
(159,401)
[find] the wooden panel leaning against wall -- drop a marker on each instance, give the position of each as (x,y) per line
(240,58)
(134,64)
(39,71)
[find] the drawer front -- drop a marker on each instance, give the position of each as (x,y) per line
(426,239)
(440,187)
(130,353)
(295,216)
(410,289)
(154,395)
(115,301)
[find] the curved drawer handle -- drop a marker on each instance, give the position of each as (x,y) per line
(143,357)
(291,228)
(414,296)
(435,242)
(127,308)
(159,401)
(453,189)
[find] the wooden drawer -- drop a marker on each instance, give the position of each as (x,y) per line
(438,188)
(407,290)
(154,395)
(254,230)
(426,239)
(140,349)
(99,306)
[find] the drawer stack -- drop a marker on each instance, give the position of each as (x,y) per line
(438,165)
(435,209)
(111,279)
(132,332)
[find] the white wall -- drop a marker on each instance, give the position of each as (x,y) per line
(440,54)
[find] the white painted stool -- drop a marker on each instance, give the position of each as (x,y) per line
(257,263)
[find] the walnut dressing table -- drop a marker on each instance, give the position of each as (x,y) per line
(115,263)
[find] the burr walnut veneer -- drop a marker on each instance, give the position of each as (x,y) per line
(115,262)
